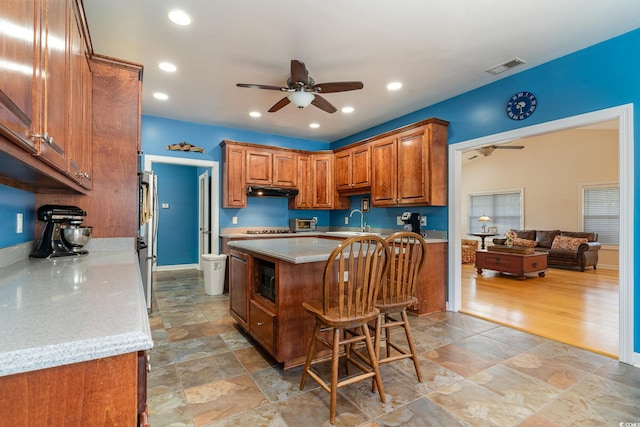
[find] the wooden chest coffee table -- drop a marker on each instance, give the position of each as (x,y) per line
(512,263)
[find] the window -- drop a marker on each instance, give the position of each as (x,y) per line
(504,208)
(601,212)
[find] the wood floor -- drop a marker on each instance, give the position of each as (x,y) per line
(577,308)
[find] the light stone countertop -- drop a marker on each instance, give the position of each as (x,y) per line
(296,250)
(67,310)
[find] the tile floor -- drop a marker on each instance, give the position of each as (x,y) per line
(206,372)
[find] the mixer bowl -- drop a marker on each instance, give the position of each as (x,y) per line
(77,236)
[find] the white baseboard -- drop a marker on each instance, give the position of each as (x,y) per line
(175,267)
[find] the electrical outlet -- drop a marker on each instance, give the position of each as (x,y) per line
(346,220)
(19,223)
(399,221)
(423,220)
(234,220)
(315,219)
(165,206)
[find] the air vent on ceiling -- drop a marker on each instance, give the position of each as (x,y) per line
(506,66)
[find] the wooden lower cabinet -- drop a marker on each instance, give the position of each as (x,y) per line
(283,327)
(101,392)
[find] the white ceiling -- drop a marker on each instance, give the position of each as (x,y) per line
(437,49)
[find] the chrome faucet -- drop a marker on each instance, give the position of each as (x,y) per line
(361,218)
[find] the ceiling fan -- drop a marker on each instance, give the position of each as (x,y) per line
(303,90)
(489,149)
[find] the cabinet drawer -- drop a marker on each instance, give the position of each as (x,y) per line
(490,261)
(535,263)
(262,325)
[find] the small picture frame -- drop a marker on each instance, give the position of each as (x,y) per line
(492,230)
(364,205)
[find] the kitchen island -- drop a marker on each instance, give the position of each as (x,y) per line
(75,332)
(270,278)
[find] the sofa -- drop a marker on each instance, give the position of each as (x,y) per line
(469,248)
(565,249)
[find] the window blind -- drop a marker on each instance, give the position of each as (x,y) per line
(601,213)
(504,209)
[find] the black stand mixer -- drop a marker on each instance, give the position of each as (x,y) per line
(62,235)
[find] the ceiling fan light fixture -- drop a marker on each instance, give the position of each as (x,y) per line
(301,99)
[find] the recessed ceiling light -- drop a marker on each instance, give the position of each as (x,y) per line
(394,85)
(179,17)
(167,66)
(255,114)
(161,96)
(347,109)
(314,125)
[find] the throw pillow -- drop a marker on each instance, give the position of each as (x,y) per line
(567,243)
(524,242)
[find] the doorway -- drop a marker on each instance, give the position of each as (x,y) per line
(624,116)
(208,208)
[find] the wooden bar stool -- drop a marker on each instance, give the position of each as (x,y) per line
(397,294)
(351,280)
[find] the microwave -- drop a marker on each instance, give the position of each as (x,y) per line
(303,224)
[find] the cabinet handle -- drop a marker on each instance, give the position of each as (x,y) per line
(535,264)
(497,261)
(82,175)
(259,323)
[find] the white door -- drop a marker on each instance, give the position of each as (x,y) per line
(204,217)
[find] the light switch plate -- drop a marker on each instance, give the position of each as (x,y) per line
(165,206)
(19,223)
(423,220)
(234,220)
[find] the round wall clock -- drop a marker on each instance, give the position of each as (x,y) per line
(521,105)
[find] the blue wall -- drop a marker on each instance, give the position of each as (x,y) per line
(16,201)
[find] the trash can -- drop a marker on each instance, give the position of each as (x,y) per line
(214,266)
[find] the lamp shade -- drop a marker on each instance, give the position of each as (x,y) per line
(301,99)
(484,218)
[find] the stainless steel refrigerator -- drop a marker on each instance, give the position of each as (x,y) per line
(147,231)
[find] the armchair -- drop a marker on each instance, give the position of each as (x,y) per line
(469,248)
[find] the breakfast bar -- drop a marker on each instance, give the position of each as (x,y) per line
(270,278)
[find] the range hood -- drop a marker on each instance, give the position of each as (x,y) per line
(288,193)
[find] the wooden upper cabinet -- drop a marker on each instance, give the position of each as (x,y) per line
(322,177)
(19,83)
(409,167)
(44,95)
(271,168)
(55,105)
(79,117)
(234,177)
(353,169)
(305,185)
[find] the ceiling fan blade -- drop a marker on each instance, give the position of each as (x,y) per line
(299,73)
(509,147)
(323,104)
(278,105)
(337,87)
(254,86)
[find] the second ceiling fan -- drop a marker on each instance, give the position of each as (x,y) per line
(489,149)
(302,90)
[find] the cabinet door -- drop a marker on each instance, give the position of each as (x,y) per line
(75,101)
(361,167)
(18,80)
(86,167)
(343,164)
(54,76)
(384,173)
(284,170)
(322,181)
(239,285)
(234,191)
(305,192)
(259,164)
(412,168)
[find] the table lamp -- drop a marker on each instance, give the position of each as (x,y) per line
(484,219)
